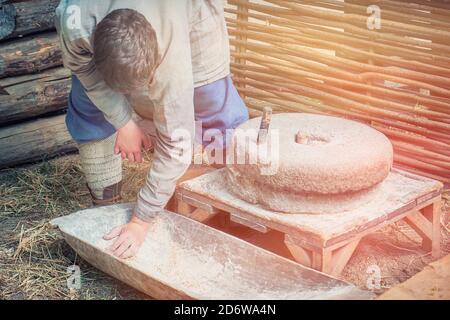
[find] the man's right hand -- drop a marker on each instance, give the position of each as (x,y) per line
(130,140)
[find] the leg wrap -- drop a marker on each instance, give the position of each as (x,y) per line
(102,168)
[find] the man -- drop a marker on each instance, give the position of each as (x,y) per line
(167,59)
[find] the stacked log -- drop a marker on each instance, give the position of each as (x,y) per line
(34,85)
(33,95)
(20,18)
(31,54)
(34,141)
(322,57)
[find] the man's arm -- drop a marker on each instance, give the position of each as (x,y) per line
(171,160)
(175,126)
(172,93)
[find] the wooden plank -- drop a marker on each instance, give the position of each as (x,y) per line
(34,95)
(200,215)
(377,224)
(30,55)
(184,259)
(433,214)
(322,260)
(27,17)
(236,217)
(309,239)
(372,226)
(34,141)
(394,216)
(198,204)
(300,254)
(192,172)
(195,171)
(341,257)
(421,225)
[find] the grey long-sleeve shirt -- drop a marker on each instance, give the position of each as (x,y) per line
(193,48)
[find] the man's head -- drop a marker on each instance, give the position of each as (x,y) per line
(125,50)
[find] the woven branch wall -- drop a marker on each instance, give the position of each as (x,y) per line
(335,57)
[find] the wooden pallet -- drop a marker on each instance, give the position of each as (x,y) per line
(323,242)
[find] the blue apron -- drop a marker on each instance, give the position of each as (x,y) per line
(217,105)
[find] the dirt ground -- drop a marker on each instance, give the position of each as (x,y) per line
(34,259)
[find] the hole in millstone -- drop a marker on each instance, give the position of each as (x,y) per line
(309,139)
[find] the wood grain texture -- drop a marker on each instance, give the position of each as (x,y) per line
(184,259)
(30,55)
(34,95)
(34,140)
(398,198)
(29,17)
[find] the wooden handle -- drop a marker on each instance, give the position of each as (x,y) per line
(301,138)
(265,124)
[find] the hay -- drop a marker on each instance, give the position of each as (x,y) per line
(33,257)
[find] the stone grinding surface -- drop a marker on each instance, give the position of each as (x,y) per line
(339,156)
(196,261)
(397,190)
(289,202)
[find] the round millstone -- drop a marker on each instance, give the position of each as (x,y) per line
(318,164)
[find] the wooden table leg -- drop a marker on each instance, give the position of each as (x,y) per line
(322,260)
(333,261)
(184,208)
(427,224)
(192,212)
(341,257)
(433,214)
(327,260)
(300,254)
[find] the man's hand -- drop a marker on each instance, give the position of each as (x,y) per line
(129,238)
(130,139)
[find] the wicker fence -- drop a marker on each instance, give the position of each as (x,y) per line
(335,57)
(328,56)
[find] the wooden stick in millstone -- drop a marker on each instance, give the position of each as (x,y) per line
(265,124)
(301,138)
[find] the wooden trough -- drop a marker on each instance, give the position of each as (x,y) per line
(184,259)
